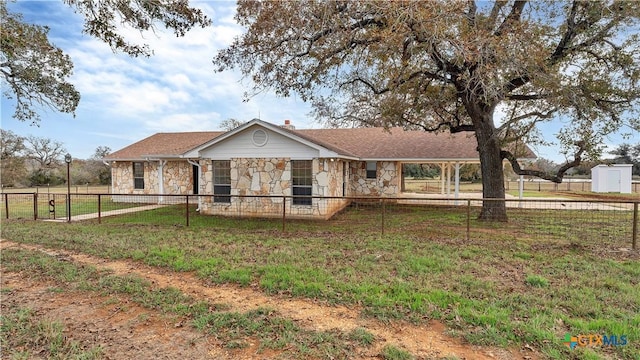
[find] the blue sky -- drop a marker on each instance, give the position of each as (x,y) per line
(125,99)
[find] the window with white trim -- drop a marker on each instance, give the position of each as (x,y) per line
(138,175)
(372,169)
(221,181)
(301,182)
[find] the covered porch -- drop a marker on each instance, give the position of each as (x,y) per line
(448,183)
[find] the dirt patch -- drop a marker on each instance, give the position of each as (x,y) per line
(136,332)
(122,330)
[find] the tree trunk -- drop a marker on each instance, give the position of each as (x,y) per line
(492,183)
(492,170)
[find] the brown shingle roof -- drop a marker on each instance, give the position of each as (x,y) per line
(165,144)
(364,143)
(395,143)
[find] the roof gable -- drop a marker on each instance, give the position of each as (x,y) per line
(315,144)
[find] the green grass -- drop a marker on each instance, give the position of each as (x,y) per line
(233,329)
(23,331)
(529,281)
(391,352)
(536,281)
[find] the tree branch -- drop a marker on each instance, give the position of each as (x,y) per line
(557,177)
(497,6)
(523,97)
(514,16)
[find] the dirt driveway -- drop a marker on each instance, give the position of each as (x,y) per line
(133,332)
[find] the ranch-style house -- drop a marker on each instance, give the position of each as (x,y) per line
(314,172)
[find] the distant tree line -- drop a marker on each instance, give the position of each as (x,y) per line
(29,161)
(468,172)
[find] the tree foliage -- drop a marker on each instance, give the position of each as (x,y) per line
(12,148)
(105,18)
(37,72)
(98,169)
(230,124)
(46,152)
(628,154)
(31,160)
(454,65)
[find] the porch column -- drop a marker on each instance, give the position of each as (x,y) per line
(110,164)
(457,181)
(161,164)
(199,167)
(521,189)
(402,185)
(443,168)
(448,179)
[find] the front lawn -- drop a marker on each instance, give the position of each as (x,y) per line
(500,287)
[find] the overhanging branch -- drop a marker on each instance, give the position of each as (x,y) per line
(557,177)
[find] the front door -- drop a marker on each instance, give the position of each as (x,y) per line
(613,181)
(195,180)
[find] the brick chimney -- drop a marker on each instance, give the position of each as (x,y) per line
(287,125)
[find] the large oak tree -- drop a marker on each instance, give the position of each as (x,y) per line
(36,72)
(496,69)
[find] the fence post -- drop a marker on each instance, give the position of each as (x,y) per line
(468,219)
(35,206)
(383,213)
(634,236)
(6,205)
(284,212)
(99,208)
(187,210)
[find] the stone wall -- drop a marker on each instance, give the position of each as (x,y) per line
(269,177)
(272,177)
(386,183)
(122,175)
(178,177)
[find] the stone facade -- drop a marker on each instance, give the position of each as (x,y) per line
(258,183)
(178,177)
(386,183)
(252,178)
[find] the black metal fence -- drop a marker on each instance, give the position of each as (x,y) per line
(614,223)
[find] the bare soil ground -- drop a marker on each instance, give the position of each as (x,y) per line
(125,330)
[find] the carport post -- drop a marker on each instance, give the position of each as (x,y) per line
(634,237)
(456,183)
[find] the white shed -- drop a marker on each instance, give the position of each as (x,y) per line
(614,178)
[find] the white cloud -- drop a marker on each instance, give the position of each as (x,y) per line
(184,122)
(125,99)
